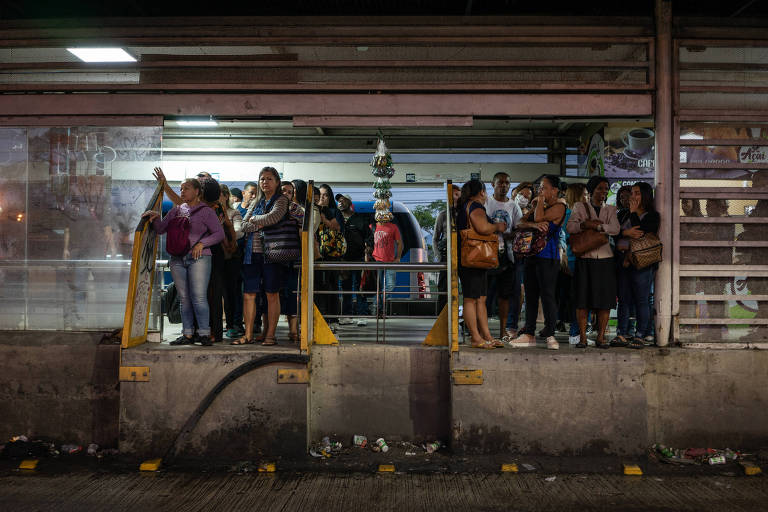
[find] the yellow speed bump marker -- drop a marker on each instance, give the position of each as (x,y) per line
(751,469)
(151,465)
(386,468)
(509,468)
(28,464)
(268,467)
(632,469)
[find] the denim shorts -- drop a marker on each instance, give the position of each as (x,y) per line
(259,276)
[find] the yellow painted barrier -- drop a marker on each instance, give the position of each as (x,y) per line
(28,464)
(151,465)
(322,333)
(509,468)
(438,335)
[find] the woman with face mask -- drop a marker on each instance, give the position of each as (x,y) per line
(595,274)
(542,269)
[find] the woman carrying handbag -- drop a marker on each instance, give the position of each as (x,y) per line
(595,277)
(475,224)
(542,268)
(635,283)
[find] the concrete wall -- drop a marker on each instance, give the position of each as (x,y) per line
(62,386)
(612,402)
(253,416)
(395,392)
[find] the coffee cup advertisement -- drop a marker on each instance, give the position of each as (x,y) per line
(629,152)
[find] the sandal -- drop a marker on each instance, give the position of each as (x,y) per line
(581,344)
(242,341)
(602,344)
(497,343)
(485,344)
(268,341)
(619,341)
(636,343)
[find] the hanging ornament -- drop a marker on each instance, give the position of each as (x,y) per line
(383,172)
(381,164)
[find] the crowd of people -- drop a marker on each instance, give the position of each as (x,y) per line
(580,289)
(235,259)
(241,253)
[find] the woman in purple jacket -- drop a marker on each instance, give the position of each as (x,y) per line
(192,271)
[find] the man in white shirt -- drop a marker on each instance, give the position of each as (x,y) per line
(500,208)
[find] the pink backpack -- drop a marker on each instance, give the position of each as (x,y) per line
(177,235)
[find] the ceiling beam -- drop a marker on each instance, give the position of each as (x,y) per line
(408,104)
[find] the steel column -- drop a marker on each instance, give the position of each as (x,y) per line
(664,174)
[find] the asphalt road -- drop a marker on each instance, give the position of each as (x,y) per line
(82,490)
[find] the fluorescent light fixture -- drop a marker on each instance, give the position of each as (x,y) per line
(101,54)
(197,122)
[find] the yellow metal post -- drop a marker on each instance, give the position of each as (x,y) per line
(453,273)
(304,289)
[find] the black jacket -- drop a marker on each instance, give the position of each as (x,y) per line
(358,235)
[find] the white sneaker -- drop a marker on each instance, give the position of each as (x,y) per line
(552,343)
(573,340)
(361,322)
(524,340)
(590,342)
(346,321)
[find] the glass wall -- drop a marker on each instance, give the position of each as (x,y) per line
(71,198)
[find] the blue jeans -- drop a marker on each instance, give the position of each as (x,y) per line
(352,283)
(634,287)
(391,277)
(191,277)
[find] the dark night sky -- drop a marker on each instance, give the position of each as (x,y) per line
(31,9)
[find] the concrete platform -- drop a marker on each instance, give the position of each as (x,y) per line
(59,385)
(252,416)
(615,401)
(531,401)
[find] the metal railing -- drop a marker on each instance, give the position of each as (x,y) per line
(308,292)
(381,286)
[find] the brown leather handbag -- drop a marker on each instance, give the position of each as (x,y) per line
(478,251)
(645,251)
(587,240)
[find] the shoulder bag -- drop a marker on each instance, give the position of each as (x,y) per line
(645,251)
(282,243)
(478,251)
(529,241)
(588,239)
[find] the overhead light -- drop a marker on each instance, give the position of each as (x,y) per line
(202,122)
(102,54)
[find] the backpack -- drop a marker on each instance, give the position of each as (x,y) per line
(172,304)
(355,242)
(177,235)
(332,243)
